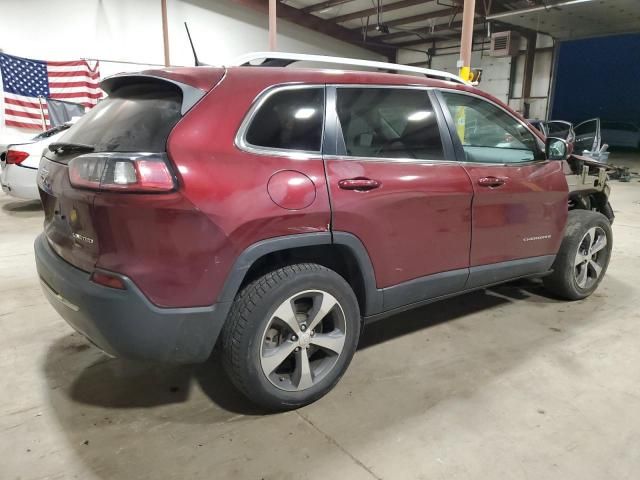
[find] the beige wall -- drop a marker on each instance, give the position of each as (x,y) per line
(496,73)
(131,30)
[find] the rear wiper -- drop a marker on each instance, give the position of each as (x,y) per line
(60,147)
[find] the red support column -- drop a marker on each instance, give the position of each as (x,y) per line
(272,25)
(466,41)
(165,33)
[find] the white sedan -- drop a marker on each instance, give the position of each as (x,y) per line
(20,161)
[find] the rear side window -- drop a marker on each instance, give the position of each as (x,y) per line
(134,118)
(389,123)
(289,119)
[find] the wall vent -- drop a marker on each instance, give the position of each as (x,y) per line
(505,44)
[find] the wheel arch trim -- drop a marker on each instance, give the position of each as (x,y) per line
(240,268)
(373,295)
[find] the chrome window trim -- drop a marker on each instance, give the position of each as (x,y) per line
(241,142)
(524,124)
(351,158)
(416,86)
(520,164)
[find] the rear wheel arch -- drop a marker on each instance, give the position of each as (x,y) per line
(341,252)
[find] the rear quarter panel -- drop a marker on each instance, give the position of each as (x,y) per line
(229,186)
(161,242)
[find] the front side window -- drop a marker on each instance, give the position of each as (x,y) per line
(487,133)
(289,119)
(389,123)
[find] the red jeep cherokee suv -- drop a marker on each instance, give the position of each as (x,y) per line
(280,209)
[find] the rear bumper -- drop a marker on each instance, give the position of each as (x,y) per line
(123,323)
(20,182)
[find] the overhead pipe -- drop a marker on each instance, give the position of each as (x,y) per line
(540,8)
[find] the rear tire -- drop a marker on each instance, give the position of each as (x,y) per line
(291,335)
(584,256)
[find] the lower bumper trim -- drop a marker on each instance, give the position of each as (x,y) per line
(124,323)
(58,297)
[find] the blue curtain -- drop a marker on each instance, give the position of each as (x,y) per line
(598,77)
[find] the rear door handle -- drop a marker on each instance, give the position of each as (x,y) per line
(359,184)
(491,182)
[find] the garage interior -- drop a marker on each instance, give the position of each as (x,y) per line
(505,382)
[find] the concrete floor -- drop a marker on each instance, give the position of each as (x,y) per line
(500,384)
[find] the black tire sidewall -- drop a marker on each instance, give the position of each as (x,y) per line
(258,385)
(563,281)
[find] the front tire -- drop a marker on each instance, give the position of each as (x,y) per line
(584,256)
(607,211)
(291,335)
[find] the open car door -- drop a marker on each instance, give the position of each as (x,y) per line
(559,129)
(588,136)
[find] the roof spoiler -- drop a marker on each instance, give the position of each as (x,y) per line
(190,95)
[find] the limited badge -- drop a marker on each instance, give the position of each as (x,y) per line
(82,238)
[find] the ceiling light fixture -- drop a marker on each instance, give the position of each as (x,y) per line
(419,116)
(304,113)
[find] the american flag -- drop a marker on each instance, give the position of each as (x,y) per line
(24,81)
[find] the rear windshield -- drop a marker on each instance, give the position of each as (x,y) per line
(134,118)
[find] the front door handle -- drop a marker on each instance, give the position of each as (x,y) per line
(360,184)
(491,182)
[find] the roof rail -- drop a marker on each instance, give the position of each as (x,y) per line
(282,59)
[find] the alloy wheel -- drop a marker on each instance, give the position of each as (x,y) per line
(303,340)
(590,257)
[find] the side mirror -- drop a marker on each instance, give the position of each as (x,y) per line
(556,148)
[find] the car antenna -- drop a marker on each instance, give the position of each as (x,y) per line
(193,49)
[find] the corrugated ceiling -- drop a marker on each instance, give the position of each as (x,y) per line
(576,19)
(582,19)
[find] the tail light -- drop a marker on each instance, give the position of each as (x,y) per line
(15,157)
(127,172)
